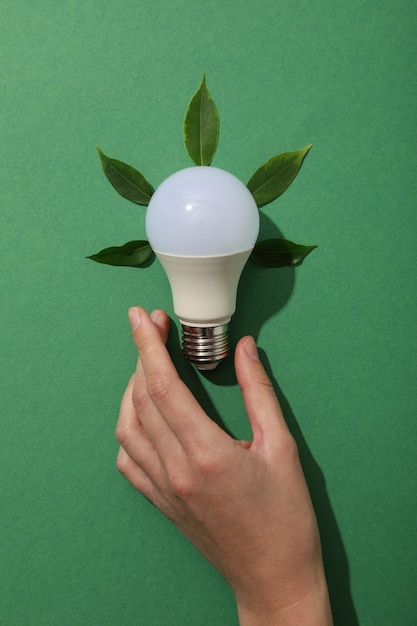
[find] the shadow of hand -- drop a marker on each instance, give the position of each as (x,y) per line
(190,377)
(263,293)
(334,554)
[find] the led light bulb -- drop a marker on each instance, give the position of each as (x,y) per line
(202,223)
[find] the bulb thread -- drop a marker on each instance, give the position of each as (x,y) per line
(205,346)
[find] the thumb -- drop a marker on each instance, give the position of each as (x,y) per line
(261,403)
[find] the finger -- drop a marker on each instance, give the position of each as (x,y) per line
(158,431)
(174,402)
(133,438)
(156,428)
(135,475)
(263,409)
(140,481)
(161,321)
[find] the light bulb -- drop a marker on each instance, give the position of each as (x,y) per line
(202,223)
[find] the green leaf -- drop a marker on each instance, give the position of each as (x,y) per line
(127,181)
(279,253)
(131,254)
(276,175)
(201,126)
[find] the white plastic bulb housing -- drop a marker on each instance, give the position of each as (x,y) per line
(202,223)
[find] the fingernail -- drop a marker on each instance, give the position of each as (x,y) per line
(155,315)
(251,349)
(134,318)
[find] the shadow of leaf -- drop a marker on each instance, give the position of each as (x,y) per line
(262,294)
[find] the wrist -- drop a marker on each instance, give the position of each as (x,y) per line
(312,609)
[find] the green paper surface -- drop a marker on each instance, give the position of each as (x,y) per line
(78,545)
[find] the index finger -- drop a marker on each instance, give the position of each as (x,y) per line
(174,401)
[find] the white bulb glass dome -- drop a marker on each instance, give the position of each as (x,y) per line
(202,223)
(202,211)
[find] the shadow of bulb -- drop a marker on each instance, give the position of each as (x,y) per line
(202,223)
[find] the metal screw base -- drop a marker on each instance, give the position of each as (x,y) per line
(205,347)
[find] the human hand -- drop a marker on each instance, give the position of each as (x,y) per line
(244,505)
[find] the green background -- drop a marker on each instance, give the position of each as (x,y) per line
(78,544)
